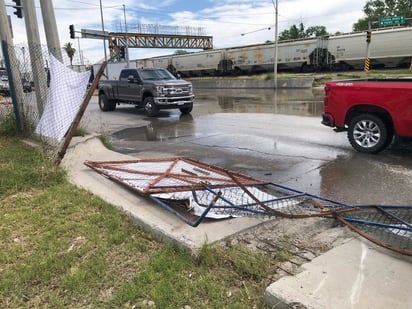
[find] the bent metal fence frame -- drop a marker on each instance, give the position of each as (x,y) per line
(194,191)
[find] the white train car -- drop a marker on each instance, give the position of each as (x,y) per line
(294,55)
(252,58)
(291,56)
(196,64)
(145,63)
(389,48)
(162,62)
(155,62)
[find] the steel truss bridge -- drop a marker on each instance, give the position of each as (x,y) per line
(118,41)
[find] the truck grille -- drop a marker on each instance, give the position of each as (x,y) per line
(176,91)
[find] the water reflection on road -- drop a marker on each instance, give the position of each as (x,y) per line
(171,124)
(361,178)
(300,102)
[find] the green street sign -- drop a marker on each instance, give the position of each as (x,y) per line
(391,20)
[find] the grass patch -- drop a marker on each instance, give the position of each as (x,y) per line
(8,125)
(106,141)
(24,169)
(80,132)
(62,247)
(320,78)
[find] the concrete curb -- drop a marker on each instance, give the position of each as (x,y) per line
(145,213)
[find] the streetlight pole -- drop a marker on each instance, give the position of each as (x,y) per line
(33,38)
(9,56)
(104,40)
(275,60)
(80,52)
(126,37)
(50,27)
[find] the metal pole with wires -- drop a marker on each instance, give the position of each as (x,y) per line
(275,59)
(126,38)
(104,40)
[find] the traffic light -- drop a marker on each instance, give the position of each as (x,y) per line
(122,52)
(71,28)
(368,36)
(19,8)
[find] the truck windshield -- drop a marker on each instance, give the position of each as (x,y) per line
(156,74)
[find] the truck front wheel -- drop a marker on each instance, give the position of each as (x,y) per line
(105,104)
(186,110)
(150,107)
(369,133)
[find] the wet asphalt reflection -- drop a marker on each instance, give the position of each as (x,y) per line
(271,135)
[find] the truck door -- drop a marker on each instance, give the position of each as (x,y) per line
(135,87)
(129,88)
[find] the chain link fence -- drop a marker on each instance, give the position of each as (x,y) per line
(29,82)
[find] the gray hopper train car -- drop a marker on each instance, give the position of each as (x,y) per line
(389,48)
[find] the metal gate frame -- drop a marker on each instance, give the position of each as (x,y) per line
(181,184)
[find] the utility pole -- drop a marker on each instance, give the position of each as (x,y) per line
(368,48)
(80,52)
(33,38)
(6,40)
(104,40)
(126,38)
(50,28)
(275,60)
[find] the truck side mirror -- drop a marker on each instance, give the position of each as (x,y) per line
(133,79)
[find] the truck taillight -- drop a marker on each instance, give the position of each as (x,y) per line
(327,89)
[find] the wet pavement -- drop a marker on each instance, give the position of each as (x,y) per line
(275,137)
(271,135)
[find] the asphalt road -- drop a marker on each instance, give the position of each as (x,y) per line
(271,136)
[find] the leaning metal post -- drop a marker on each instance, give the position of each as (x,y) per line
(80,113)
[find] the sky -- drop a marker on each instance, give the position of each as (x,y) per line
(229,22)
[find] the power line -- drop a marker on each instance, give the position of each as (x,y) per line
(267,28)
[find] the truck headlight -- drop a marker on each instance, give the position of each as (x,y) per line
(161,91)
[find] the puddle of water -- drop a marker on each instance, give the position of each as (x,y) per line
(380,179)
(299,102)
(159,129)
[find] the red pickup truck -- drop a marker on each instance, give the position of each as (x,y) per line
(372,111)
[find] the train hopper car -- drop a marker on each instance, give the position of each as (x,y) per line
(291,55)
(155,62)
(389,48)
(204,63)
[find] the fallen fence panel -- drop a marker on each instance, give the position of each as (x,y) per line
(194,191)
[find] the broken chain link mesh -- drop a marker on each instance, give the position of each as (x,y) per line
(31,86)
(190,188)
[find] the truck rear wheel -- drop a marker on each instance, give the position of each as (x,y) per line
(369,133)
(150,107)
(105,104)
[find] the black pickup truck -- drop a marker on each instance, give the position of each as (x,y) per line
(150,88)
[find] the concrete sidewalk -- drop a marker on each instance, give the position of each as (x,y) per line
(356,274)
